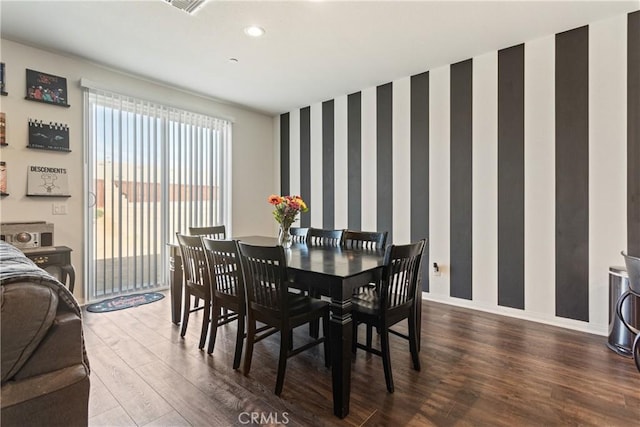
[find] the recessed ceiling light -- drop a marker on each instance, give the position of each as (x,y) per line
(254,31)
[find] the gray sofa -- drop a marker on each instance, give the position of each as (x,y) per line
(45,369)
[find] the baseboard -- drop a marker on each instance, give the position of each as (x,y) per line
(576,325)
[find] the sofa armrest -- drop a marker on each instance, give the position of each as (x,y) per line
(58,398)
(28,311)
(60,348)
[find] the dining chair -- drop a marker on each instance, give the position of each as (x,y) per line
(218,232)
(367,240)
(298,234)
(227,291)
(196,282)
(270,302)
(633,270)
(322,237)
(393,302)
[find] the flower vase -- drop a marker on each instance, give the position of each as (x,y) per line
(284,237)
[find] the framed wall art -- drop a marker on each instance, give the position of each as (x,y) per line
(3,129)
(3,85)
(47,181)
(48,136)
(3,179)
(47,88)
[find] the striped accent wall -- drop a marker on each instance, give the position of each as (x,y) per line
(516,165)
(511,177)
(572,174)
(419,166)
(284,153)
(461,171)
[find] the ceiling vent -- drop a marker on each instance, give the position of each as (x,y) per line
(189,6)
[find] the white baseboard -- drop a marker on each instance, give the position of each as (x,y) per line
(591,328)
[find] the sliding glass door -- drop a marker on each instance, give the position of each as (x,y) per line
(151,171)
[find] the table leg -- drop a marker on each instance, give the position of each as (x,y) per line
(175,286)
(341,335)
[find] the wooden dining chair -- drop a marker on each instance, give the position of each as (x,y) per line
(322,237)
(217,232)
(270,302)
(227,291)
(196,282)
(366,240)
(298,234)
(393,302)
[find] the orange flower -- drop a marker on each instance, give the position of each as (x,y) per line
(275,200)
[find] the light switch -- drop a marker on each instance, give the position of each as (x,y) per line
(59,208)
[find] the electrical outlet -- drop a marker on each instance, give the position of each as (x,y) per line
(59,208)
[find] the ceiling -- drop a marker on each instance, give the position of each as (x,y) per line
(312,50)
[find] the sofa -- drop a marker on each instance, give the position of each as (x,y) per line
(45,369)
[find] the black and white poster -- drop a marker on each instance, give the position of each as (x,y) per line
(47,181)
(3,86)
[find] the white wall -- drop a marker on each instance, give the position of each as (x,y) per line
(253,169)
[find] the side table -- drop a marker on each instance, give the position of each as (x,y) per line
(54,256)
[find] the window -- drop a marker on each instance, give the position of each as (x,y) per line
(152,171)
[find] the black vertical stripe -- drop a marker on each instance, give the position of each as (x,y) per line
(572,174)
(284,153)
(305,164)
(511,177)
(461,179)
(420,167)
(328,187)
(384,154)
(633,134)
(354,159)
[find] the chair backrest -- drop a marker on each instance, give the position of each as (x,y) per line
(367,240)
(321,237)
(194,263)
(225,270)
(298,235)
(265,276)
(401,272)
(218,232)
(633,269)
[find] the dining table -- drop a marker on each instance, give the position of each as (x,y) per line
(333,271)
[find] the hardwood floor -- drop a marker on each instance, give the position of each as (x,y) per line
(477,369)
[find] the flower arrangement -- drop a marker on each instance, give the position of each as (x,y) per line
(287,208)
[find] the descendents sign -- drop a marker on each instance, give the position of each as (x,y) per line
(47,181)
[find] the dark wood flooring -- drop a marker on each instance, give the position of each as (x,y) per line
(477,369)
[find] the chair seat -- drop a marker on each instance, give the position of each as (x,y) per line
(301,307)
(367,302)
(306,305)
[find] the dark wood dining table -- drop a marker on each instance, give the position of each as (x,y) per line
(333,271)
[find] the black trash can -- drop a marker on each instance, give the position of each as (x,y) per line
(621,338)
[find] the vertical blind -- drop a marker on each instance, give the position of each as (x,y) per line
(152,170)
